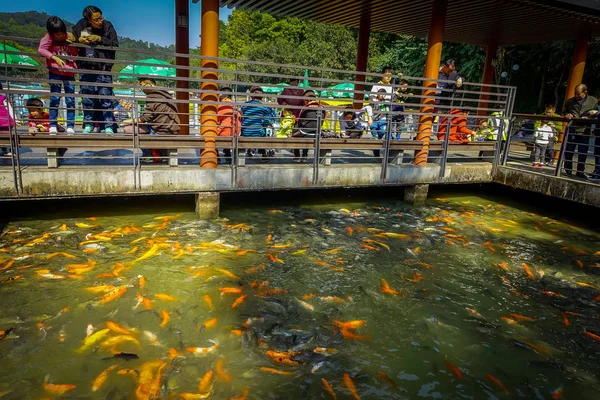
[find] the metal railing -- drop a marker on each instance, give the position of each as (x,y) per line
(576,157)
(333,126)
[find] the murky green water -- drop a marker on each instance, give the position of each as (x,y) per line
(445,261)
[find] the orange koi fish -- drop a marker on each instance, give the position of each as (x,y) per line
(132,251)
(566,321)
(385,288)
(60,253)
(141,281)
(244,252)
(528,272)
(579,263)
(57,389)
(592,335)
(350,325)
(503,265)
(275,371)
(211,323)
(386,379)
(165,297)
(205,384)
(557,394)
(275,258)
(230,290)
(352,336)
(242,397)
(332,299)
(145,301)
(350,385)
(474,312)
(166,317)
(445,229)
(367,247)
(350,230)
(208,301)
(497,382)
(454,369)
(227,273)
(113,294)
(101,378)
(329,389)
(225,377)
(239,301)
(509,320)
(281,357)
(308,296)
(522,317)
(202,351)
(113,326)
(237,332)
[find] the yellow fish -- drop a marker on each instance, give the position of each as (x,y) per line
(227,273)
(93,339)
(152,252)
(165,297)
(299,252)
(115,340)
(396,235)
(333,251)
(385,246)
(84,225)
(100,379)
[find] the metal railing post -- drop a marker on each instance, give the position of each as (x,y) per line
(317,155)
(386,148)
(444,159)
(563,149)
(504,157)
(137,167)
(14,144)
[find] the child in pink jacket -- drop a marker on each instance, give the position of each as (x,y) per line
(57,51)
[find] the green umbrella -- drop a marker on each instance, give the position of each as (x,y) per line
(152,70)
(334,91)
(274,89)
(15,59)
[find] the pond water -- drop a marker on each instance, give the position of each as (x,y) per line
(462,298)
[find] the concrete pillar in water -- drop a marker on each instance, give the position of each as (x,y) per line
(207,205)
(416,194)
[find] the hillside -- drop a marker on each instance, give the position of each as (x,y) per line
(32,24)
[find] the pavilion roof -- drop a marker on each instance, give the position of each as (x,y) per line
(512,22)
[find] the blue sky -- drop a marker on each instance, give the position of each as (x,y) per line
(149,20)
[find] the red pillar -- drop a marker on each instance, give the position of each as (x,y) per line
(577,67)
(182,45)
(362,56)
(488,74)
(434,57)
(209,47)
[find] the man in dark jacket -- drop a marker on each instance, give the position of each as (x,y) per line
(446,89)
(93,31)
(293,104)
(160,114)
(307,125)
(579,106)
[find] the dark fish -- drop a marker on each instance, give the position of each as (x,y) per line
(123,356)
(250,339)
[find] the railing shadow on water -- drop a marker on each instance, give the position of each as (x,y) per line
(345,122)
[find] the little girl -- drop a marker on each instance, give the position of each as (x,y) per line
(55,48)
(543,134)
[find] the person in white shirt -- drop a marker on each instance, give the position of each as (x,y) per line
(543,134)
(385,83)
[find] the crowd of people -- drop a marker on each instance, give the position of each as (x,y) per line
(300,109)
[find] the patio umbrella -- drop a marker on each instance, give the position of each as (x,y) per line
(162,72)
(334,91)
(274,89)
(15,59)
